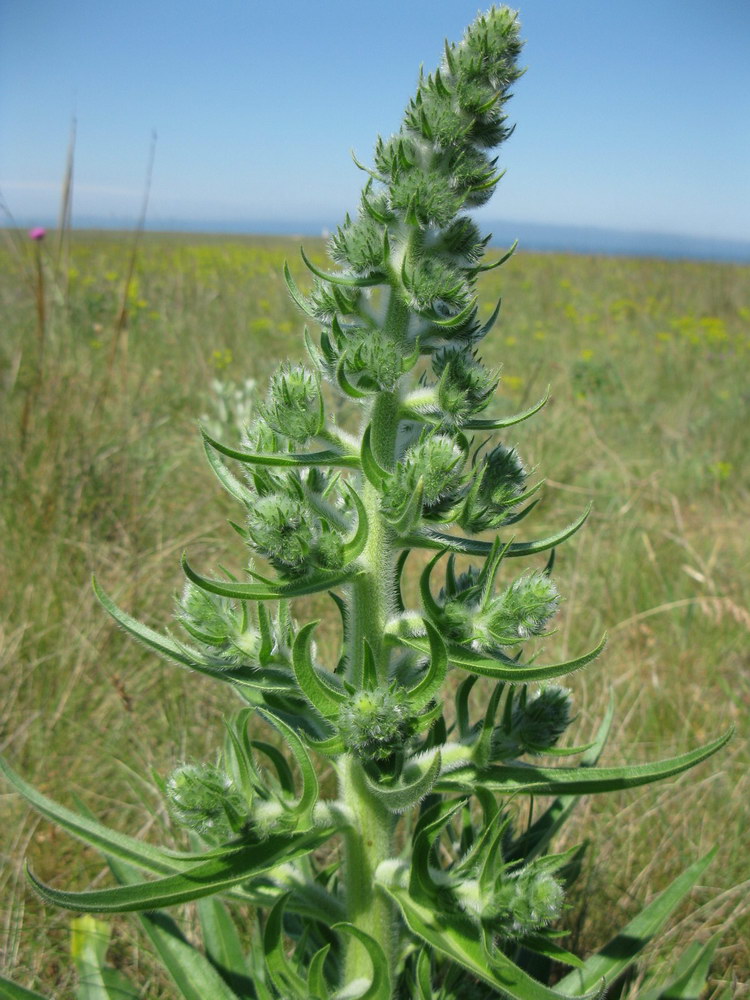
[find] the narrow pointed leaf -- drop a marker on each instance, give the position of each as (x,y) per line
(282,459)
(689,976)
(508,670)
(223,945)
(316,982)
(404,795)
(287,981)
(12,991)
(430,684)
(297,297)
(228,480)
(516,778)
(490,424)
(431,539)
(460,941)
(310,789)
(354,546)
(349,280)
(324,697)
(269,591)
(93,833)
(496,263)
(378,988)
(376,475)
(204,879)
(616,956)
(459,318)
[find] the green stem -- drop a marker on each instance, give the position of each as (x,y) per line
(366,845)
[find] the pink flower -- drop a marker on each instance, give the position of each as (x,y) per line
(38,233)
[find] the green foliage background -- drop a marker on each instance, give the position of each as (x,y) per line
(648,417)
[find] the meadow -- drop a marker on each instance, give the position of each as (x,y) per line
(102,471)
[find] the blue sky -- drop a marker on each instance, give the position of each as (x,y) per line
(633,113)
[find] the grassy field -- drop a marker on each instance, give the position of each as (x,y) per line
(102,470)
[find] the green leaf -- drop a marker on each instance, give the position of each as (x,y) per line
(303,808)
(12,991)
(498,423)
(458,318)
(287,981)
(460,941)
(297,297)
(324,697)
(507,779)
(228,480)
(430,684)
(316,982)
(193,974)
(404,795)
(495,263)
(354,546)
(223,945)
(616,956)
(348,280)
(269,591)
(507,670)
(690,974)
(429,538)
(206,878)
(95,834)
(379,988)
(282,459)
(89,940)
(373,472)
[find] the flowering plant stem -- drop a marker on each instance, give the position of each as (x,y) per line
(421,878)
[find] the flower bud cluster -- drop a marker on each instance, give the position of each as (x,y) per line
(437,463)
(374,725)
(498,486)
(285,531)
(523,902)
(222,631)
(464,386)
(202,798)
(374,360)
(294,407)
(536,724)
(520,612)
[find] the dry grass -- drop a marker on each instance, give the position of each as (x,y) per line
(648,418)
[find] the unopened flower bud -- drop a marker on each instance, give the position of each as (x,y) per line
(438,462)
(376,724)
(281,528)
(293,407)
(203,798)
(523,902)
(520,612)
(500,482)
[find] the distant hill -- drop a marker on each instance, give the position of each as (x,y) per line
(530,235)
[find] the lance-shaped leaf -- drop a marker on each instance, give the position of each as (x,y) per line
(282,459)
(620,953)
(287,981)
(430,684)
(206,878)
(354,546)
(223,945)
(403,795)
(373,472)
(12,991)
(269,590)
(89,940)
(322,695)
(495,263)
(689,976)
(506,779)
(168,647)
(378,988)
(408,518)
(297,297)
(507,669)
(498,423)
(461,941)
(428,538)
(349,280)
(310,789)
(316,982)
(459,318)
(95,834)
(228,480)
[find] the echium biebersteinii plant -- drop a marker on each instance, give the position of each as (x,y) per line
(417,877)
